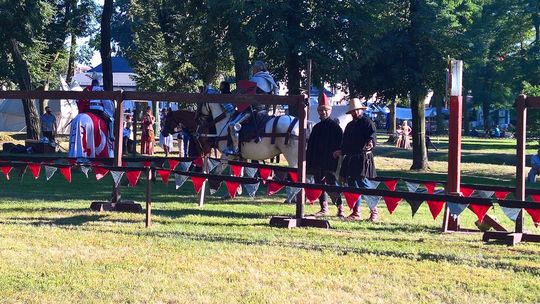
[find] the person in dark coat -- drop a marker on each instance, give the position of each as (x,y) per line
(325,138)
(359,140)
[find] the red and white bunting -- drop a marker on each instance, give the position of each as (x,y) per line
(198,162)
(164,173)
(6,170)
(100,172)
(265,173)
(535,215)
(391,203)
(146,163)
(466,191)
(313,194)
(232,188)
(35,169)
(173,163)
(479,210)
(66,172)
(391,184)
(49,171)
(133,177)
(236,170)
(117,177)
(435,207)
(351,198)
(273,187)
(430,187)
(294,176)
(501,195)
(197,183)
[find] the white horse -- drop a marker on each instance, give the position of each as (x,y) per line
(88,137)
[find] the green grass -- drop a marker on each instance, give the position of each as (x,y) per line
(54,250)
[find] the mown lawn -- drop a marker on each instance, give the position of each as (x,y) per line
(54,250)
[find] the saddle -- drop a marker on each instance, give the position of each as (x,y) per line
(254,127)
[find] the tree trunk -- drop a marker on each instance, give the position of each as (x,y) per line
(486,115)
(420,159)
(23,76)
(393,108)
(293,59)
(239,47)
(105,47)
(71,61)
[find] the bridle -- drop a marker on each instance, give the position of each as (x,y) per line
(206,120)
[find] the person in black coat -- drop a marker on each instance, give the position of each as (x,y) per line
(359,140)
(325,138)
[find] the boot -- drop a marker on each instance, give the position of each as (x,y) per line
(340,211)
(374,216)
(355,215)
(235,138)
(324,209)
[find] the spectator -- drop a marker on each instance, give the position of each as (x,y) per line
(148,136)
(535,167)
(48,124)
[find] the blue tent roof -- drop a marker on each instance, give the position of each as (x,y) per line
(315,92)
(119,65)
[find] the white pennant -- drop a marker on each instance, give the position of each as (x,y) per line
(373,184)
(179,180)
(412,187)
(250,172)
(184,166)
(291,193)
(251,189)
(49,171)
(85,170)
(483,193)
(117,176)
(456,209)
(212,164)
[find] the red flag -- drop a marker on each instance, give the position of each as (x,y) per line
(232,187)
(391,203)
(535,215)
(173,163)
(435,207)
(146,163)
(133,177)
(100,172)
(198,161)
(501,195)
(391,184)
(351,198)
(467,192)
(164,173)
(294,176)
(197,183)
(430,187)
(6,171)
(313,194)
(265,173)
(535,197)
(66,172)
(273,188)
(72,161)
(479,210)
(236,170)
(35,168)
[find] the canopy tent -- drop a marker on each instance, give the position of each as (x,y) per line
(123,75)
(406,113)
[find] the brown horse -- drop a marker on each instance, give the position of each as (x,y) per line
(183,120)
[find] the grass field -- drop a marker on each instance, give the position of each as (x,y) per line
(54,250)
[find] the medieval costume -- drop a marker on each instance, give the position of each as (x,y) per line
(148,136)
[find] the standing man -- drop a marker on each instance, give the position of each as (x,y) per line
(325,138)
(48,124)
(535,167)
(359,140)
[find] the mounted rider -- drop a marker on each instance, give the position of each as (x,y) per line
(260,83)
(103,108)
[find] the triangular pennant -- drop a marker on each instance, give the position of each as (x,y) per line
(456,209)
(535,215)
(430,187)
(479,210)
(351,198)
(133,177)
(511,213)
(6,171)
(100,172)
(372,201)
(49,171)
(483,193)
(391,184)
(179,180)
(236,170)
(184,166)
(198,161)
(466,191)
(294,176)
(21,171)
(291,193)
(250,172)
(501,195)
(251,189)
(146,163)
(214,186)
(66,172)
(72,161)
(164,173)
(373,184)
(412,187)
(435,207)
(212,164)
(85,170)
(117,177)
(415,205)
(273,188)
(535,197)
(265,173)
(391,203)
(173,163)
(312,194)
(197,183)
(232,187)
(280,175)
(35,169)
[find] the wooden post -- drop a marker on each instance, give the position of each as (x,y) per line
(118,142)
(521,136)
(203,187)
(148,220)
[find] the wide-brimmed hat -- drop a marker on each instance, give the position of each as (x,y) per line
(355,104)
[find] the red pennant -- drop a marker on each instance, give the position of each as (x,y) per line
(430,187)
(100,172)
(535,197)
(265,173)
(35,168)
(6,171)
(124,164)
(391,203)
(500,195)
(232,187)
(236,170)
(146,163)
(479,210)
(273,188)
(467,192)
(66,172)
(351,198)
(313,194)
(391,184)
(133,177)
(535,215)
(197,183)
(198,162)
(435,207)
(72,161)
(294,176)
(173,163)
(164,175)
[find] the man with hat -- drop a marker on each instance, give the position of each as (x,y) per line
(48,124)
(359,140)
(325,138)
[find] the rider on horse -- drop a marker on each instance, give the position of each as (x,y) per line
(102,108)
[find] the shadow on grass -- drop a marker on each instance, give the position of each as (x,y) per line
(76,220)
(211,213)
